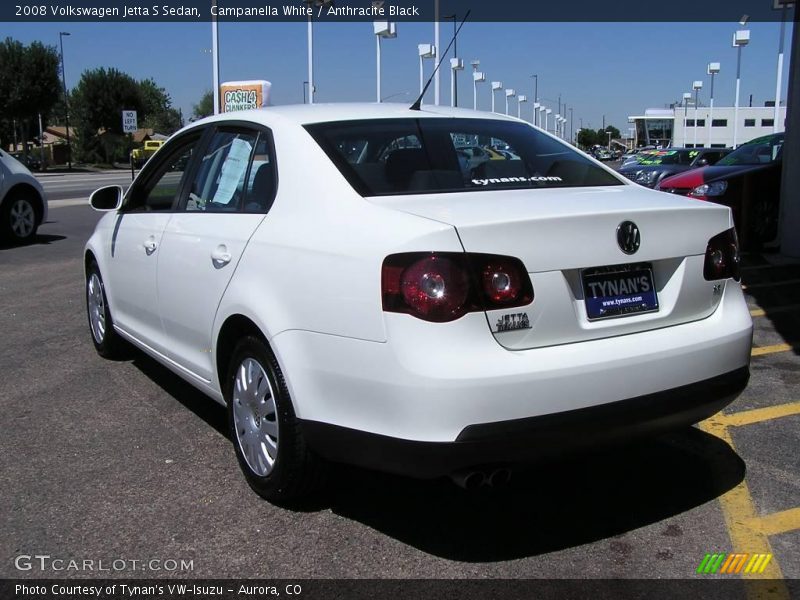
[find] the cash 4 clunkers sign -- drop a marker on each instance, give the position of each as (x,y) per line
(244,95)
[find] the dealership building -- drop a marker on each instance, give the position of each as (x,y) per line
(683,126)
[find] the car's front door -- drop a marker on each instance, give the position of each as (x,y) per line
(135,243)
(227,198)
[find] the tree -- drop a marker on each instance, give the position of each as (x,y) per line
(158,112)
(97,103)
(29,86)
(205,107)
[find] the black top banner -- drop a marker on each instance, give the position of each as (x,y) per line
(393,10)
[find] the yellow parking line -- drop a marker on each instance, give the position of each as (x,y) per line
(740,516)
(770,349)
(748,417)
(765,284)
(760,312)
(780,522)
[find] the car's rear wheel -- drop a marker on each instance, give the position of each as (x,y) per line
(266,434)
(19,220)
(106,340)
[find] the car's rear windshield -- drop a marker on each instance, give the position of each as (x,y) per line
(759,151)
(430,155)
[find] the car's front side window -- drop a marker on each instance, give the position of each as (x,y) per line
(161,182)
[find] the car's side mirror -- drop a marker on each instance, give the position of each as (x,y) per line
(703,162)
(106,198)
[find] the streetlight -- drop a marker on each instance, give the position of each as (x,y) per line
(437,45)
(609,140)
(315,4)
(520,100)
(740,39)
(215,55)
(453,73)
(776,116)
(383,30)
(686,97)
(536,106)
(477,77)
(696,86)
(713,69)
(535,88)
(547,118)
(542,109)
(496,85)
(456,65)
(571,121)
(510,93)
(61,35)
(425,51)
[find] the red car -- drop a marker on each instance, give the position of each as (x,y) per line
(748,180)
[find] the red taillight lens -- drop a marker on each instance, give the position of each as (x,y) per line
(503,279)
(444,286)
(722,257)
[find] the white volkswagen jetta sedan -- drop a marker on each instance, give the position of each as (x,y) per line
(353,292)
(23,204)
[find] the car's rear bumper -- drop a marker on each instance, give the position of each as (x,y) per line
(527,439)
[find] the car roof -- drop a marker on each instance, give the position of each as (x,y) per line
(305,114)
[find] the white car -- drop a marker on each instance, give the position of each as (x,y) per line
(390,311)
(23,205)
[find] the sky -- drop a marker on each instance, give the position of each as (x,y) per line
(599,69)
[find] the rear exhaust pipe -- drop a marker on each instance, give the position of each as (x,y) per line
(499,477)
(468,480)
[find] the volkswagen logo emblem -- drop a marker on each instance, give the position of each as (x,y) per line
(628,237)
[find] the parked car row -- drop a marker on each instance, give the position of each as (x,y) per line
(23,205)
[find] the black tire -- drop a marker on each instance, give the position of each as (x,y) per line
(296,471)
(108,343)
(19,218)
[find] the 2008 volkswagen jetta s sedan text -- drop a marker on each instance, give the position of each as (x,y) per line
(353,292)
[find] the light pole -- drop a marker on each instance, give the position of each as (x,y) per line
(456,65)
(686,97)
(713,69)
(215,56)
(740,39)
(510,93)
(425,51)
(609,140)
(520,101)
(547,113)
(571,122)
(696,86)
(61,35)
(383,30)
(496,85)
(536,114)
(783,4)
(535,88)
(453,73)
(312,89)
(477,77)
(436,45)
(542,109)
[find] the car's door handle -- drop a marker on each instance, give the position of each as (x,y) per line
(221,256)
(150,245)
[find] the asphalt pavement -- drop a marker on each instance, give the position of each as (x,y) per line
(123,460)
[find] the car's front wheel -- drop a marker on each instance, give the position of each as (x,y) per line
(18,219)
(266,434)
(106,340)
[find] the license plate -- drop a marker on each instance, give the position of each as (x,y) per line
(619,293)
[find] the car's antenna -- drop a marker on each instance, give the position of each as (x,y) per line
(418,103)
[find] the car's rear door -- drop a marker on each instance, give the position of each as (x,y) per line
(230,193)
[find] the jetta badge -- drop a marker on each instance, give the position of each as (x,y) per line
(628,237)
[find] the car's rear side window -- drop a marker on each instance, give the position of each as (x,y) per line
(431,155)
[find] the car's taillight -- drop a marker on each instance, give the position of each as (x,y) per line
(444,286)
(722,257)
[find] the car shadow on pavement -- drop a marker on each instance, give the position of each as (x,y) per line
(546,508)
(39,240)
(552,506)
